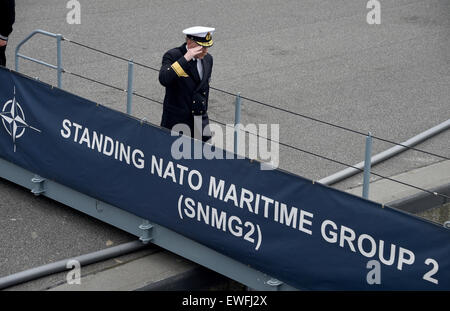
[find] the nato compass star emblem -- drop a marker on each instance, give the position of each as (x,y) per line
(13,119)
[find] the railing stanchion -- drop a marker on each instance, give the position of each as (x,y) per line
(367,166)
(237,120)
(59,59)
(130,86)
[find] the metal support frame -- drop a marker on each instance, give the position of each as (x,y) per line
(58,67)
(387,154)
(367,166)
(144,229)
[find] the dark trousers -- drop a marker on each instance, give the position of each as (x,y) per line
(2,56)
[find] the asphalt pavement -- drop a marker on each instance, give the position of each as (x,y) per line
(317,58)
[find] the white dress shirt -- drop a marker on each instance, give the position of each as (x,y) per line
(199,68)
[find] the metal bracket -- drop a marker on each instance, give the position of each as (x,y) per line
(39,185)
(147,235)
(274,282)
(447,224)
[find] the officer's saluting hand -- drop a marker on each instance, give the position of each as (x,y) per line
(193,52)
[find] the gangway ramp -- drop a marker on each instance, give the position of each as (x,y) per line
(263,228)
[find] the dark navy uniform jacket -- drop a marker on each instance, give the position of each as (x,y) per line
(7,18)
(186,95)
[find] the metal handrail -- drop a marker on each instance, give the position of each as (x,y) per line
(58,67)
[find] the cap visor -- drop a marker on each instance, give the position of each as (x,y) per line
(205,44)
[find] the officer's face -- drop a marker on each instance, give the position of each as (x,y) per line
(204,52)
(192,44)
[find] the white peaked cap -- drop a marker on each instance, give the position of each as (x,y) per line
(199,31)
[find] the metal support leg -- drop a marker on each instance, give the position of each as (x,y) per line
(146,237)
(367,166)
(130,86)
(237,120)
(39,185)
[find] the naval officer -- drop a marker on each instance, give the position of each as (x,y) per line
(186,73)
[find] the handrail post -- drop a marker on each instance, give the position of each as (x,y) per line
(59,59)
(130,86)
(367,166)
(237,120)
(17,59)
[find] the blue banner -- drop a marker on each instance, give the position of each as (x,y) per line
(305,234)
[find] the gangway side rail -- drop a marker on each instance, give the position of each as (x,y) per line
(144,229)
